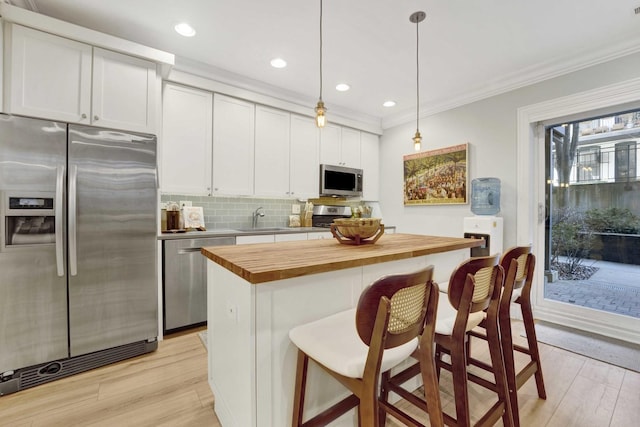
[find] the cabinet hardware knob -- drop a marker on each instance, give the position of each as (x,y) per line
(96,118)
(84,116)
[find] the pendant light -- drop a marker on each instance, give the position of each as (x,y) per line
(321,119)
(416,18)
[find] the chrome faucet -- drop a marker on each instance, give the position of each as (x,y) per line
(257,213)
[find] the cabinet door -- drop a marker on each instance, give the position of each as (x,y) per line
(370,162)
(290,237)
(304,162)
(272,152)
(49,76)
(330,136)
(123,92)
(233,136)
(257,238)
(350,148)
(187,123)
(319,235)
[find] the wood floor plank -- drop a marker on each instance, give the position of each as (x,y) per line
(627,411)
(587,403)
(169,387)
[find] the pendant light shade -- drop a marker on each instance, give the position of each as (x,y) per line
(416,18)
(321,119)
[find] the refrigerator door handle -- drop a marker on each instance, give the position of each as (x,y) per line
(59,220)
(73,250)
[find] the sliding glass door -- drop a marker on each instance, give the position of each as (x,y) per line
(591,219)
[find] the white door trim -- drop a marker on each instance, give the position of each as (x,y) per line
(531,193)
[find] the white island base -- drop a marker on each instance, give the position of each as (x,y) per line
(252,362)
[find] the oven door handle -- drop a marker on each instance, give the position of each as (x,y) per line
(59,220)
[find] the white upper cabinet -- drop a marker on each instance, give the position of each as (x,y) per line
(233,148)
(187,122)
(49,76)
(340,146)
(350,148)
(123,91)
(370,158)
(330,141)
(272,152)
(304,162)
(286,154)
(60,79)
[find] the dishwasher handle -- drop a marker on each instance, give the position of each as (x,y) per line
(183,251)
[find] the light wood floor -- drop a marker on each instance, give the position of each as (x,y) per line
(169,388)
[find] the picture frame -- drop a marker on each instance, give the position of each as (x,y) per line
(193,217)
(437,177)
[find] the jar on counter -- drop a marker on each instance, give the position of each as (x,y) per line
(173,216)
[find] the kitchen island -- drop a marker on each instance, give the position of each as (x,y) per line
(257,293)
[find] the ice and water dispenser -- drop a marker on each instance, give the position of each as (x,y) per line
(28,219)
(485,204)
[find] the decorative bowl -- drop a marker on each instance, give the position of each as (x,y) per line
(362,228)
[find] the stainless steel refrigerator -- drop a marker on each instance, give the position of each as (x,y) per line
(78,284)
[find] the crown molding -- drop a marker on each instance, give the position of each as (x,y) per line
(522,78)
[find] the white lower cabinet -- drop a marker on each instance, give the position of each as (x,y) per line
(318,235)
(290,237)
(256,238)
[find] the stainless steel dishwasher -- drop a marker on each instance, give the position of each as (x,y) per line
(185,281)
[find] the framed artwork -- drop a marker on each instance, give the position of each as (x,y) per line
(437,177)
(193,216)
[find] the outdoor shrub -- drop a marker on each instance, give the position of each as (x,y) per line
(571,238)
(613,220)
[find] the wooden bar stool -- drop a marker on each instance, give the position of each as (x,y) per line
(474,287)
(354,346)
(519,263)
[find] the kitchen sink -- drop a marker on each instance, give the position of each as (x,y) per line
(258,229)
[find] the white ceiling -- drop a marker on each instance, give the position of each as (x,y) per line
(468,49)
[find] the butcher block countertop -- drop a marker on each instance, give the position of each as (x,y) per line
(266,262)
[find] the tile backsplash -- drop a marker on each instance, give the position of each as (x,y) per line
(237,212)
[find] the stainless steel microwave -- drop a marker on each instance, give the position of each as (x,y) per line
(340,181)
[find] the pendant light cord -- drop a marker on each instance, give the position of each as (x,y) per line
(320,50)
(417,80)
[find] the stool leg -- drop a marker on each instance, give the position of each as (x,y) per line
(497,362)
(460,389)
(509,366)
(430,383)
(368,407)
(532,342)
(300,387)
(384,397)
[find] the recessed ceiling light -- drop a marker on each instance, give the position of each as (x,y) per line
(278,63)
(342,87)
(389,104)
(185,29)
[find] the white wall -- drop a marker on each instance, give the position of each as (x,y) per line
(489,126)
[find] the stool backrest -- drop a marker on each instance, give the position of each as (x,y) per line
(475,282)
(518,263)
(523,257)
(406,296)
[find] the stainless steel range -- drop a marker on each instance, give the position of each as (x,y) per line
(323,215)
